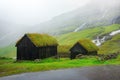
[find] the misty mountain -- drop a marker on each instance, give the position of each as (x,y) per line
(10,32)
(93,15)
(117,20)
(90,15)
(3,27)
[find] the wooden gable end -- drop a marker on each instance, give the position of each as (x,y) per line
(77,48)
(25,42)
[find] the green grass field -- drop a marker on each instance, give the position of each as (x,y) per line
(10,67)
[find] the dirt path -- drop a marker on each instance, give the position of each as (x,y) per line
(86,73)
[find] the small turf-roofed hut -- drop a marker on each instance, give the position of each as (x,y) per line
(84,47)
(36,46)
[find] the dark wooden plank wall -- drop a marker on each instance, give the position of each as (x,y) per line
(77,49)
(25,49)
(49,51)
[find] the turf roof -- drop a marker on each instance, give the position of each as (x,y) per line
(88,45)
(40,40)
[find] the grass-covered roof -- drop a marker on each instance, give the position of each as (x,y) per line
(88,45)
(40,40)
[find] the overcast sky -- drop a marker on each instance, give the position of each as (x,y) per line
(30,12)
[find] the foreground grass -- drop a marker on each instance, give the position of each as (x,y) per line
(9,66)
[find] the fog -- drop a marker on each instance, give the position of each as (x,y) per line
(31,12)
(21,16)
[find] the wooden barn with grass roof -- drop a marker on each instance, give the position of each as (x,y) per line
(84,47)
(36,46)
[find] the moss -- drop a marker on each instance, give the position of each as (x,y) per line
(63,50)
(41,39)
(88,45)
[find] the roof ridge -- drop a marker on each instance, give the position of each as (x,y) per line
(90,46)
(40,40)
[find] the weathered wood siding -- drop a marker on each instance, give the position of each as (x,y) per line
(49,51)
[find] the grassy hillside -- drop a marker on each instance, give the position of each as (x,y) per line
(71,38)
(91,33)
(111,46)
(67,40)
(8,51)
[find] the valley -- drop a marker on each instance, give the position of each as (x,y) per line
(47,35)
